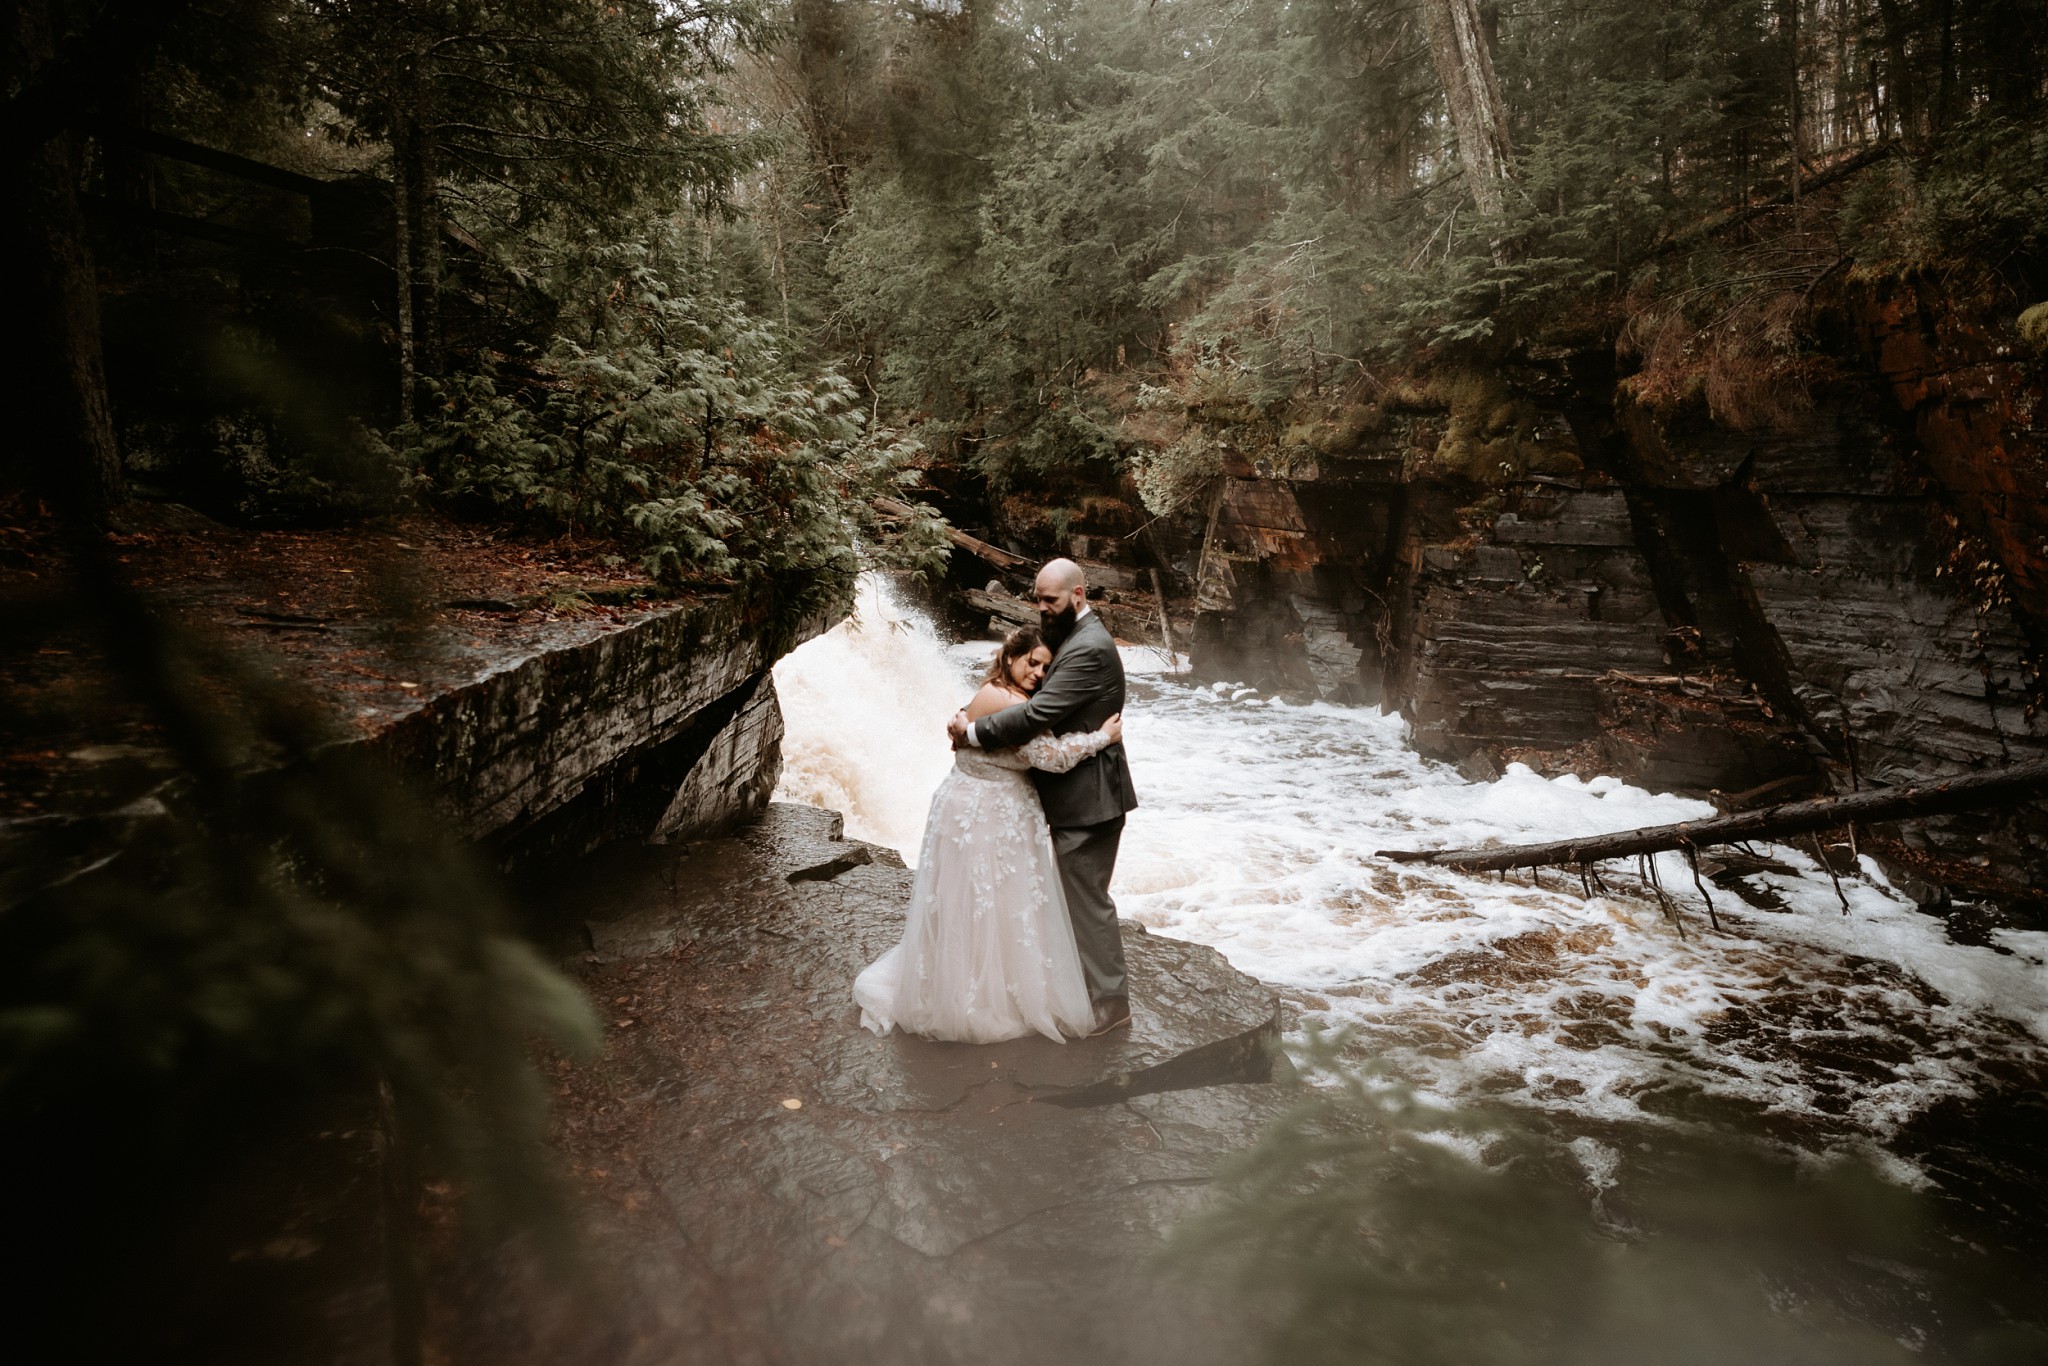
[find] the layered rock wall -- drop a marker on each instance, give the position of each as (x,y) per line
(539,738)
(1573,575)
(668,727)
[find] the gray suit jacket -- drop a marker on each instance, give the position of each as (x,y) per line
(1083,688)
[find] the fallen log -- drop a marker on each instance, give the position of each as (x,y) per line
(1016,611)
(994,554)
(1969,792)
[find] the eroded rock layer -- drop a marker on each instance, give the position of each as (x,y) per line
(667,727)
(1554,564)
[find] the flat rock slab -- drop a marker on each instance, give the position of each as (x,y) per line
(919,1201)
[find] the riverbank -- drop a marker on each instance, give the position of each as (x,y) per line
(542,695)
(754,1178)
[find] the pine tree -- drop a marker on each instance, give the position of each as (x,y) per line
(517,116)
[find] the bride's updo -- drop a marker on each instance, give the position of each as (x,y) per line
(1016,645)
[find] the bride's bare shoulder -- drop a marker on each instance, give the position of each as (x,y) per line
(990,700)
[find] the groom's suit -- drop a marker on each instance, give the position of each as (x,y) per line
(1085,805)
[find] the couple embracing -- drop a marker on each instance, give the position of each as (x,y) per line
(1011,929)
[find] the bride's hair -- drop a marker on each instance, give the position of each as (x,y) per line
(1016,645)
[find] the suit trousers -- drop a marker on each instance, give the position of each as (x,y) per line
(1087,857)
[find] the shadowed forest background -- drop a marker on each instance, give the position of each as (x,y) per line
(996,241)
(690,287)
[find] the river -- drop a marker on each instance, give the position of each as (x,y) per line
(1817,1030)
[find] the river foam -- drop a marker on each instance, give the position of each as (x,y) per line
(1256,834)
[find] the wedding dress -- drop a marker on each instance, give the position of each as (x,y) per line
(987,953)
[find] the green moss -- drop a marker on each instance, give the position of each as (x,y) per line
(2033,327)
(1337,431)
(1493,435)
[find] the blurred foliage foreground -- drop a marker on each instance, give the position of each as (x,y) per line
(276,930)
(1370,1226)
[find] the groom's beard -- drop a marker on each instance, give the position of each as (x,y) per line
(1057,626)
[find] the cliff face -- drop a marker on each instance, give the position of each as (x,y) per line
(666,728)
(1546,565)
(543,710)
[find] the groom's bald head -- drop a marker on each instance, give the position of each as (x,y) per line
(1060,592)
(1061,576)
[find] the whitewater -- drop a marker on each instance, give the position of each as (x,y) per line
(1256,834)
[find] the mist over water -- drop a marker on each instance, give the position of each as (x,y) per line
(1256,832)
(864,708)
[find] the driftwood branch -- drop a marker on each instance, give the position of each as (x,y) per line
(2018,783)
(994,554)
(1016,611)
(1165,626)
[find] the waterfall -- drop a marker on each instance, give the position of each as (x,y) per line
(865,706)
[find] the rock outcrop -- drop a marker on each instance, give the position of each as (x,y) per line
(767,1181)
(665,728)
(1582,576)
(542,727)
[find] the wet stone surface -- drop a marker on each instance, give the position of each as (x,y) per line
(545,703)
(921,1201)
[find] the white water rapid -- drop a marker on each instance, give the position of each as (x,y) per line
(1256,833)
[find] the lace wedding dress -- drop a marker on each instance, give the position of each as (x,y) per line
(988,953)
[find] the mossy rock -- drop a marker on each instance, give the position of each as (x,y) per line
(1336,432)
(2033,327)
(1228,414)
(1494,435)
(1676,441)
(1405,395)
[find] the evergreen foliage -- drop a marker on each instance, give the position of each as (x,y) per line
(1274,192)
(664,412)
(579,333)
(527,112)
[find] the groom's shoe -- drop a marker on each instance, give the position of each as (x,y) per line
(1113,1013)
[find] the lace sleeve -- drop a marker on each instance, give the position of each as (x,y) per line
(1058,753)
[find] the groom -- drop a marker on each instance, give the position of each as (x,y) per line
(1085,806)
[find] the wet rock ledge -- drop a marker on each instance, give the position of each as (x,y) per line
(542,707)
(768,1181)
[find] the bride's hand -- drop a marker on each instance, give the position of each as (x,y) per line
(1114,729)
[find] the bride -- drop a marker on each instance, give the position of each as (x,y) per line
(988,952)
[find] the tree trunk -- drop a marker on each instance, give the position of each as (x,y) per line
(995,555)
(1944,97)
(1898,72)
(63,447)
(1797,138)
(401,263)
(1464,63)
(1971,792)
(427,241)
